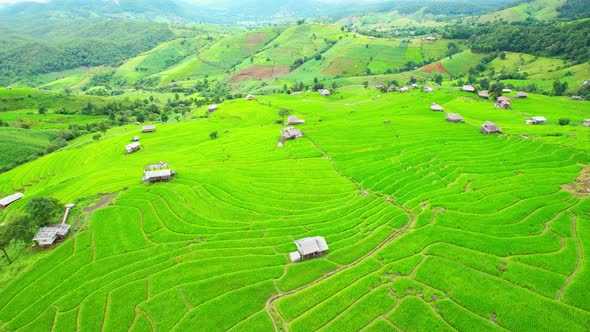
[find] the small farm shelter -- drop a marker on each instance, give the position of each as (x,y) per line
(521,95)
(160,165)
(293,120)
(9,87)
(404,89)
(250,97)
(148,129)
(586,123)
(47,236)
(135,139)
(489,128)
(311,246)
(436,107)
(136,123)
(577,98)
(6,201)
(296,93)
(130,148)
(506,91)
(431,38)
(503,102)
(390,89)
(538,120)
(295,256)
(379,86)
(290,133)
(428,88)
(468,88)
(452,117)
(162,175)
(324,92)
(212,108)
(414,86)
(483,94)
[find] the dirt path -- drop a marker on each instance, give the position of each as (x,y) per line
(102,202)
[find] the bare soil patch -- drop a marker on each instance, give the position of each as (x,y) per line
(260,72)
(104,200)
(581,186)
(338,66)
(435,67)
(255,38)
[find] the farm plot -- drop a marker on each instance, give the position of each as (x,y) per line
(429,223)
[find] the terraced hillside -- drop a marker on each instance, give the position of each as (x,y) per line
(431,225)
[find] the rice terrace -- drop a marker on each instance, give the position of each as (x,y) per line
(342,167)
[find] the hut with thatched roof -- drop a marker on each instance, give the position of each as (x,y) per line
(490,128)
(521,95)
(133,147)
(436,107)
(452,117)
(483,95)
(506,91)
(290,133)
(404,89)
(586,123)
(503,102)
(212,108)
(148,129)
(577,98)
(250,97)
(324,92)
(468,88)
(428,88)
(293,120)
(9,88)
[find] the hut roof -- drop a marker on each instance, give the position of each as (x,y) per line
(159,165)
(490,127)
(379,86)
(468,88)
(483,94)
(290,132)
(577,98)
(9,87)
(158,174)
(404,89)
(506,90)
(310,245)
(452,117)
(428,88)
(135,138)
(212,108)
(539,119)
(324,92)
(295,256)
(49,233)
(521,94)
(292,120)
(4,202)
(148,128)
(436,107)
(132,147)
(249,97)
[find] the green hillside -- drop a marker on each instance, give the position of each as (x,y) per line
(420,215)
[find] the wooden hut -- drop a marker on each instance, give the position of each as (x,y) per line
(452,117)
(490,128)
(506,91)
(391,88)
(9,88)
(249,97)
(577,98)
(521,95)
(404,89)
(431,38)
(309,247)
(379,86)
(290,133)
(436,107)
(483,94)
(324,92)
(503,102)
(135,139)
(6,201)
(468,88)
(48,236)
(293,120)
(212,108)
(148,129)
(133,147)
(428,88)
(586,123)
(414,86)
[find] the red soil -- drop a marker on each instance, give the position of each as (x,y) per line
(260,72)
(435,67)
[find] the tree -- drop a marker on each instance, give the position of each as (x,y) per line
(5,241)
(102,126)
(42,110)
(164,117)
(559,88)
(96,136)
(43,211)
(283,113)
(564,121)
(213,135)
(438,79)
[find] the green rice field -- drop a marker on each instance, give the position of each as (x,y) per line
(432,226)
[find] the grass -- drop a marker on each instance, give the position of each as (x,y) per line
(431,225)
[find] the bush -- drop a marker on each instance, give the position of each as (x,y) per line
(213,135)
(564,121)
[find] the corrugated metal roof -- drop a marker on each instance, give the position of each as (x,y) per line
(11,199)
(310,245)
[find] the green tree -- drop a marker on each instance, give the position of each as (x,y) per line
(213,135)
(564,121)
(44,211)
(42,110)
(438,79)
(559,88)
(96,136)
(283,112)
(164,117)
